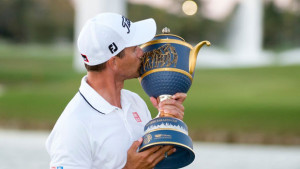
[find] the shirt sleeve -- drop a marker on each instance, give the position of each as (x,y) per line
(69,146)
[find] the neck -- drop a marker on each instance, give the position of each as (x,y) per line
(107,85)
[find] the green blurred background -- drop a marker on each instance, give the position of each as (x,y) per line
(245,105)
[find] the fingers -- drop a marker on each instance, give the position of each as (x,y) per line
(161,153)
(148,158)
(151,157)
(171,107)
(170,102)
(173,150)
(153,149)
(135,145)
(179,97)
(172,111)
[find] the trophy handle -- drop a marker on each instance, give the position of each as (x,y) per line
(194,54)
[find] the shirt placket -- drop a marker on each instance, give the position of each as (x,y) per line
(123,115)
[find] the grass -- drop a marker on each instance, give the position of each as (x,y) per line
(36,83)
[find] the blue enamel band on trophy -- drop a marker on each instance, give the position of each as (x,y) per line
(168,68)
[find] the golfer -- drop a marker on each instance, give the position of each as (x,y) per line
(102,126)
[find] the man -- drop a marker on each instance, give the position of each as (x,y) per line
(102,126)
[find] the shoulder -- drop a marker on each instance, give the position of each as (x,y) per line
(70,133)
(74,120)
(78,109)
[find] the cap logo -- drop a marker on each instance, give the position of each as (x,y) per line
(113,48)
(84,58)
(126,23)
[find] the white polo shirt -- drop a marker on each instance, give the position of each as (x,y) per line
(93,134)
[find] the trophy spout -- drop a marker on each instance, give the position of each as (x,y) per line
(194,54)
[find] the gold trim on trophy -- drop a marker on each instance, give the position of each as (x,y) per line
(170,35)
(167,41)
(166,129)
(167,69)
(166,142)
(194,54)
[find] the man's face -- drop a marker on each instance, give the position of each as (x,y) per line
(129,64)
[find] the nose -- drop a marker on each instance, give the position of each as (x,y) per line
(140,52)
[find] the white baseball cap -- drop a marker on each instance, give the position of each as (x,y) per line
(107,34)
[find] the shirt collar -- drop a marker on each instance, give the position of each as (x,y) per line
(94,99)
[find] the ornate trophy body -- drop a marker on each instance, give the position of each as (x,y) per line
(168,68)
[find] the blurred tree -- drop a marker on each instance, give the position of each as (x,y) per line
(13,19)
(36,20)
(281,27)
(51,20)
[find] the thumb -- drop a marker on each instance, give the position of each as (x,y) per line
(135,145)
(154,102)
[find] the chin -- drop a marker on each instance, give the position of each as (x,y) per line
(133,76)
(136,76)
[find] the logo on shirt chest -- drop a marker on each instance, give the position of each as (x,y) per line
(136,117)
(59,167)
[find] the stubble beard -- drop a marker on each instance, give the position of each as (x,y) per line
(137,73)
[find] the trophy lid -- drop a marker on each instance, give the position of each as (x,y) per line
(167,35)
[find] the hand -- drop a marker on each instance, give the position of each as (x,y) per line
(148,158)
(171,107)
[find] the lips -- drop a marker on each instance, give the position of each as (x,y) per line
(139,69)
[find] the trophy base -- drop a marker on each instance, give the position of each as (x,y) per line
(169,131)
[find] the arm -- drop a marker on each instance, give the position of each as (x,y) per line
(68,146)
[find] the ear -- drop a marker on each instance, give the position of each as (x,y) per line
(112,63)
